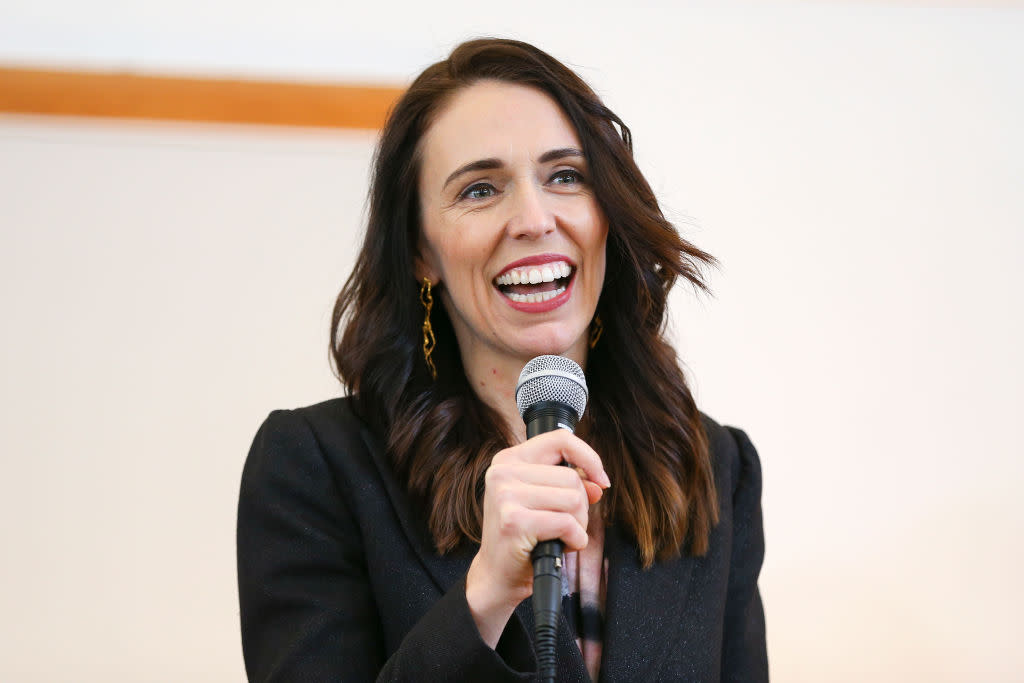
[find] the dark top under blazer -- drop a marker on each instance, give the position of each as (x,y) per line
(338,579)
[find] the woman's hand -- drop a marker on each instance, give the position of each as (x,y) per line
(529,497)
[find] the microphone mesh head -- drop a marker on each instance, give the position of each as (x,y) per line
(552,378)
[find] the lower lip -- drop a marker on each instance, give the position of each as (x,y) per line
(542,306)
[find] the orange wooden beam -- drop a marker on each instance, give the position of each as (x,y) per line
(135,96)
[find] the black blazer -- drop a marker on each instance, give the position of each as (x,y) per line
(338,579)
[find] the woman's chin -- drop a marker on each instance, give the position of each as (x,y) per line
(555,341)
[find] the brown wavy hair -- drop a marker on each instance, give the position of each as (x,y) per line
(641,418)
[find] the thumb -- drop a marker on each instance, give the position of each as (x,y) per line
(594,492)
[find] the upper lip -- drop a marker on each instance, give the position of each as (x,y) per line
(536,260)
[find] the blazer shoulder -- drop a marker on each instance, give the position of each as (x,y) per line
(337,413)
(331,421)
(732,453)
(328,434)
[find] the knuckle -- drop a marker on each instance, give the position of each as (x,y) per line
(565,436)
(570,478)
(496,473)
(510,518)
(504,495)
(581,514)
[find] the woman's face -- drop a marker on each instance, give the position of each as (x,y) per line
(510,224)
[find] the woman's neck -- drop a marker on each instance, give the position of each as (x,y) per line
(493,377)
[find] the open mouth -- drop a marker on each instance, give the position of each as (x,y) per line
(535,284)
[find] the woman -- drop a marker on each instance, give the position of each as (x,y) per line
(387,535)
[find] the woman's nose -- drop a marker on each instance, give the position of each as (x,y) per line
(531,216)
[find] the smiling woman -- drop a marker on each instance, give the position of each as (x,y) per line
(507,220)
(518,211)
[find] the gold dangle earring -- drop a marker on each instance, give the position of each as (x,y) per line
(596,328)
(428,332)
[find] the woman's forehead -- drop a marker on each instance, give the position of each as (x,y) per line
(494,119)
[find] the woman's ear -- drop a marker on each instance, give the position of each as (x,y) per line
(423,265)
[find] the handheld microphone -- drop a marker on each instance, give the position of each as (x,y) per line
(551,394)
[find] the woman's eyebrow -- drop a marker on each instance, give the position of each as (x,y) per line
(493,163)
(478,165)
(560,153)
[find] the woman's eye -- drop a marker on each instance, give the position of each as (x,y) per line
(477,191)
(567,177)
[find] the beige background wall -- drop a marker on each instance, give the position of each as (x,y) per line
(856,168)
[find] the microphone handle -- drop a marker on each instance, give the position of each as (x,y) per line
(547,604)
(540,418)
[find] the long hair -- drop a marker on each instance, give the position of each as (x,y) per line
(642,416)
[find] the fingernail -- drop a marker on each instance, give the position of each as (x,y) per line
(607,481)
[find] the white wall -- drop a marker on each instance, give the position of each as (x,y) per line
(856,169)
(163,289)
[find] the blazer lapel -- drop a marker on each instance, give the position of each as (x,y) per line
(643,608)
(445,570)
(449,569)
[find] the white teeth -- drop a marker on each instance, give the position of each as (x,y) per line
(535,298)
(549,272)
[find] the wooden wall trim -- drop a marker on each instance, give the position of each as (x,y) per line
(136,96)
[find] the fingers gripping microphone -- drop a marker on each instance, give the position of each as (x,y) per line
(551,394)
